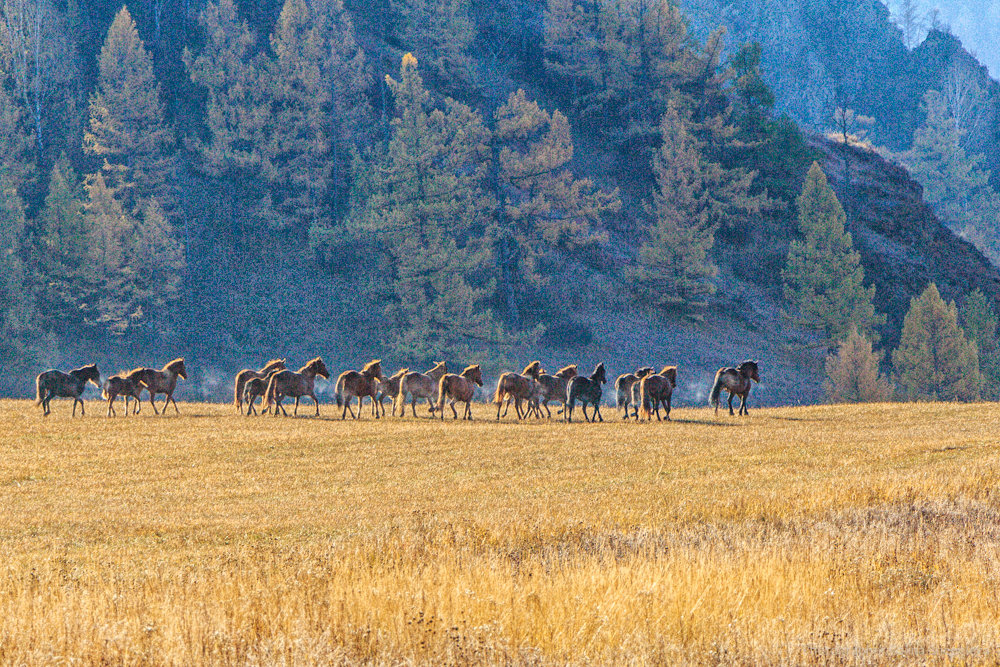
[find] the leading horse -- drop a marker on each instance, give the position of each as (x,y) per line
(57,384)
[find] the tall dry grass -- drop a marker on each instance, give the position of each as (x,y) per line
(825,535)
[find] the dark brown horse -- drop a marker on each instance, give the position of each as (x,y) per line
(419,385)
(459,388)
(56,384)
(656,390)
(518,388)
(388,387)
(587,391)
(127,385)
(360,384)
(737,381)
(248,374)
(295,384)
(256,388)
(627,390)
(163,381)
(553,388)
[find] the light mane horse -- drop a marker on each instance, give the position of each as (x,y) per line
(360,384)
(459,388)
(419,385)
(56,384)
(737,381)
(294,384)
(518,388)
(656,390)
(248,374)
(163,381)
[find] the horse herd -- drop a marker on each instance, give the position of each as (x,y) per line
(529,391)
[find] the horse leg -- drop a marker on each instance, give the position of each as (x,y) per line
(568,411)
(731,404)
(413,404)
(313,397)
(295,411)
(499,405)
(597,409)
(361,404)
(430,405)
(152,402)
(453,411)
(744,410)
(170,397)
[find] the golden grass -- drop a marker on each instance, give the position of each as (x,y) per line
(828,534)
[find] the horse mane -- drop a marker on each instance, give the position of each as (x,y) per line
(272,362)
(370,365)
(437,365)
(400,373)
(179,361)
(598,370)
(533,366)
(567,371)
(84,369)
(670,372)
(469,369)
(310,364)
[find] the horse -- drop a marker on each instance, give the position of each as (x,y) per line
(56,384)
(518,388)
(256,387)
(626,390)
(248,374)
(586,390)
(360,384)
(656,390)
(163,381)
(127,385)
(296,384)
(553,388)
(457,388)
(737,381)
(419,385)
(388,387)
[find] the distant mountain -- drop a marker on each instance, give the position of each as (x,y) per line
(977,24)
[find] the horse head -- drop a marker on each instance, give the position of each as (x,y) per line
(567,372)
(474,373)
(749,369)
(644,371)
(534,369)
(319,368)
(598,374)
(91,374)
(670,372)
(373,369)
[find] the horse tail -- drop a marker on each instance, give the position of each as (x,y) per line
(338,392)
(39,389)
(104,389)
(238,389)
(498,394)
(619,393)
(441,392)
(647,409)
(713,399)
(270,391)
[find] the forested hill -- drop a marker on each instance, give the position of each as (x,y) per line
(457,179)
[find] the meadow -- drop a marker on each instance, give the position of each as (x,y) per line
(833,534)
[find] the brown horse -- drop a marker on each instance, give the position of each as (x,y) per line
(656,390)
(553,388)
(419,385)
(360,384)
(256,388)
(627,390)
(587,391)
(459,388)
(163,381)
(248,374)
(737,381)
(388,387)
(127,385)
(518,388)
(56,384)
(295,384)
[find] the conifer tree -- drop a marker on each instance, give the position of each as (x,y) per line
(15,135)
(543,207)
(156,258)
(127,126)
(427,208)
(934,360)
(440,32)
(824,279)
(979,321)
(853,374)
(692,197)
(19,327)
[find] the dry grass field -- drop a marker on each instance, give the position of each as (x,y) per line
(810,535)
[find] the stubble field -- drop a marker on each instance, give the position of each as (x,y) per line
(809,535)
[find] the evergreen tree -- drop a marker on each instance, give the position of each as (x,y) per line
(127,126)
(693,196)
(441,33)
(934,360)
(15,134)
(853,374)
(955,184)
(979,321)
(427,209)
(19,327)
(824,280)
(543,207)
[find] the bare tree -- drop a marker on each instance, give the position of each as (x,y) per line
(910,18)
(967,100)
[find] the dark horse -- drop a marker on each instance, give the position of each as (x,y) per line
(56,384)
(289,383)
(586,390)
(737,381)
(163,381)
(127,385)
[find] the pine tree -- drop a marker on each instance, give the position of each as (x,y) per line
(955,184)
(157,259)
(853,374)
(127,126)
(543,206)
(979,321)
(693,196)
(426,208)
(824,280)
(15,136)
(934,360)
(19,327)
(440,32)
